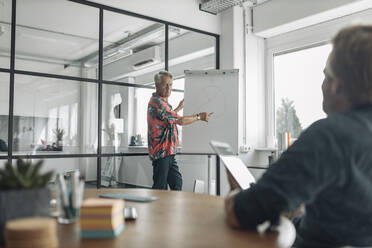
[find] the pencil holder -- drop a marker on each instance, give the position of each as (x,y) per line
(69,194)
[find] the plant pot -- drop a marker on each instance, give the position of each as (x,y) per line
(22,203)
(60,145)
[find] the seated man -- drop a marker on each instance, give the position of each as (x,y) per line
(329,168)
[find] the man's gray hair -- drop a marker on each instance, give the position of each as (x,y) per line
(160,74)
(352,62)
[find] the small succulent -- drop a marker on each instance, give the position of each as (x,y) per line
(59,132)
(23,175)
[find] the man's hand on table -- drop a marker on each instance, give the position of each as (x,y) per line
(229,202)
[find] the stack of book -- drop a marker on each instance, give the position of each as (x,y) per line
(31,232)
(102,218)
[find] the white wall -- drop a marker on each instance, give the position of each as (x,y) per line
(235,37)
(281,16)
(183,12)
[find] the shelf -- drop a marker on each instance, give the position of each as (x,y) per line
(137,147)
(266,149)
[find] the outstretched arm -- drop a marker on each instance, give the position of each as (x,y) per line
(186,120)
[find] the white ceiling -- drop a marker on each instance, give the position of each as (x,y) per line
(61,29)
(262,1)
(61,32)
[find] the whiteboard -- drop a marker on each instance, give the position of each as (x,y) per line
(214,91)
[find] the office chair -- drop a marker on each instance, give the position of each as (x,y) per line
(199,186)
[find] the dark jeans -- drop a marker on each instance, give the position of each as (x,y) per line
(165,171)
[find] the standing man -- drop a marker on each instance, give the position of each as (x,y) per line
(162,123)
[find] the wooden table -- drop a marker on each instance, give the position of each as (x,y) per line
(177,219)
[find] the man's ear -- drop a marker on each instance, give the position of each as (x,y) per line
(337,87)
(157,86)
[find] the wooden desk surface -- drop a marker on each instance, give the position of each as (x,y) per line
(177,219)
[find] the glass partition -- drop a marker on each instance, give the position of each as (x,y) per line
(86,166)
(117,116)
(190,50)
(57,37)
(54,116)
(4,112)
(134,48)
(5,32)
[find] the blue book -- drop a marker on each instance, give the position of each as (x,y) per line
(126,197)
(101,234)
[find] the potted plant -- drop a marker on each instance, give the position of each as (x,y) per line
(59,132)
(110,131)
(23,192)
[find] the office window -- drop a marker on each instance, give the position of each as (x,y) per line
(298,77)
(56,84)
(189,50)
(87,166)
(134,48)
(175,99)
(50,116)
(5,32)
(56,37)
(142,97)
(117,102)
(4,112)
(2,163)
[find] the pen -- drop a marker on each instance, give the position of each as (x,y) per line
(64,194)
(75,185)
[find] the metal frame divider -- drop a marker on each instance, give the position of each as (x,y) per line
(100,77)
(11,81)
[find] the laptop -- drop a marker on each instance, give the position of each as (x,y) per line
(233,164)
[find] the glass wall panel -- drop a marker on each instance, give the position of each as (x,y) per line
(136,171)
(86,166)
(142,98)
(4,112)
(298,77)
(127,172)
(57,37)
(2,163)
(134,48)
(190,50)
(117,117)
(54,116)
(5,32)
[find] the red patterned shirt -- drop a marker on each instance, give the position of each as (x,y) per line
(162,128)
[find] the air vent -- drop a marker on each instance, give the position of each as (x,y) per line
(143,63)
(217,6)
(146,57)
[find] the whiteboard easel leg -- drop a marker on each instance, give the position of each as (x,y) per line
(209,174)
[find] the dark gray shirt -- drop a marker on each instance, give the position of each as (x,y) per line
(329,169)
